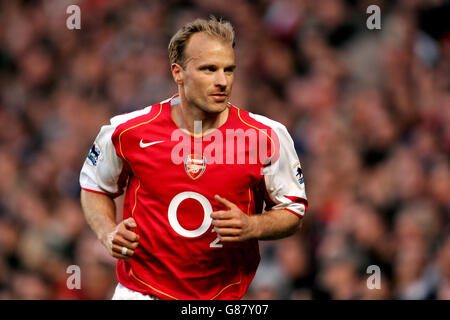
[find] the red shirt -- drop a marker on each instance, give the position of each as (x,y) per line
(170,186)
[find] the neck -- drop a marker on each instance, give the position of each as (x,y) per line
(195,120)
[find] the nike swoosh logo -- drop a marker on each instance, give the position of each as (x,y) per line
(145,145)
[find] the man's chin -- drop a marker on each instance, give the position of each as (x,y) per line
(217,106)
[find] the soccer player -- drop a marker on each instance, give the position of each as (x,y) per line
(204,181)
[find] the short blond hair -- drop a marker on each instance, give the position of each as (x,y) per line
(216,28)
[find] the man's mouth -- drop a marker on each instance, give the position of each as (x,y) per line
(219,96)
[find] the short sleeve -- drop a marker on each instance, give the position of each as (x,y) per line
(283,177)
(103,170)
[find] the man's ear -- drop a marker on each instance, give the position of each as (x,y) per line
(177,73)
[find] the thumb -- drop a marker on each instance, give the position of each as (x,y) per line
(224,202)
(130,223)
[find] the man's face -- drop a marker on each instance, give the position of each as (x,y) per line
(208,73)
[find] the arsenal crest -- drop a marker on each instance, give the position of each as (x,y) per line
(195,165)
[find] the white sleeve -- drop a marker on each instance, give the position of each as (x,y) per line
(283,178)
(102,169)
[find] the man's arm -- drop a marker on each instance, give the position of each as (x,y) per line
(275,224)
(233,225)
(100,210)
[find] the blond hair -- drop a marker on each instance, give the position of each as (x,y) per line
(216,28)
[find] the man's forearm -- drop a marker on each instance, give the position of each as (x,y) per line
(99,211)
(275,224)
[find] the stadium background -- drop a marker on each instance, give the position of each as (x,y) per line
(369,112)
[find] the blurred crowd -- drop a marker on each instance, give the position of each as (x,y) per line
(369,112)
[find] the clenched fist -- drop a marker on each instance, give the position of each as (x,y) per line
(122,241)
(232,224)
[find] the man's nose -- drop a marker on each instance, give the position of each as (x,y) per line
(221,79)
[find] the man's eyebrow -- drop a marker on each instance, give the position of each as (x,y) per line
(207,65)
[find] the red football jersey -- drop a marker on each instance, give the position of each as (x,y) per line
(171,178)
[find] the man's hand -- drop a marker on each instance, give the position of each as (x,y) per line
(122,237)
(232,225)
